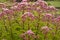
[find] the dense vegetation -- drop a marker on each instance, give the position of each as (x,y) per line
(29,21)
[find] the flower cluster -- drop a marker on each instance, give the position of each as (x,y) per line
(29,33)
(30,16)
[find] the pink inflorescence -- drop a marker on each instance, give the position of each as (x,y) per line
(52,8)
(24,0)
(8,11)
(30,32)
(48,17)
(45,29)
(57,20)
(26,8)
(28,14)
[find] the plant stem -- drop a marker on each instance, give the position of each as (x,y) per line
(45,36)
(10,28)
(4,23)
(37,25)
(55,32)
(28,25)
(48,23)
(15,19)
(1,32)
(23,21)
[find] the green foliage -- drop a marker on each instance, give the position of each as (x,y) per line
(54,3)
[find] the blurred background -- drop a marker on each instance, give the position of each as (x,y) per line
(55,3)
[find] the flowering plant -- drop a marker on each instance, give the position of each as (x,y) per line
(29,21)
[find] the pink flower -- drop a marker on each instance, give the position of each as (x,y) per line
(45,29)
(24,0)
(28,14)
(28,4)
(34,6)
(30,32)
(22,5)
(48,17)
(8,11)
(57,20)
(38,10)
(24,17)
(15,8)
(28,7)
(43,4)
(52,8)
